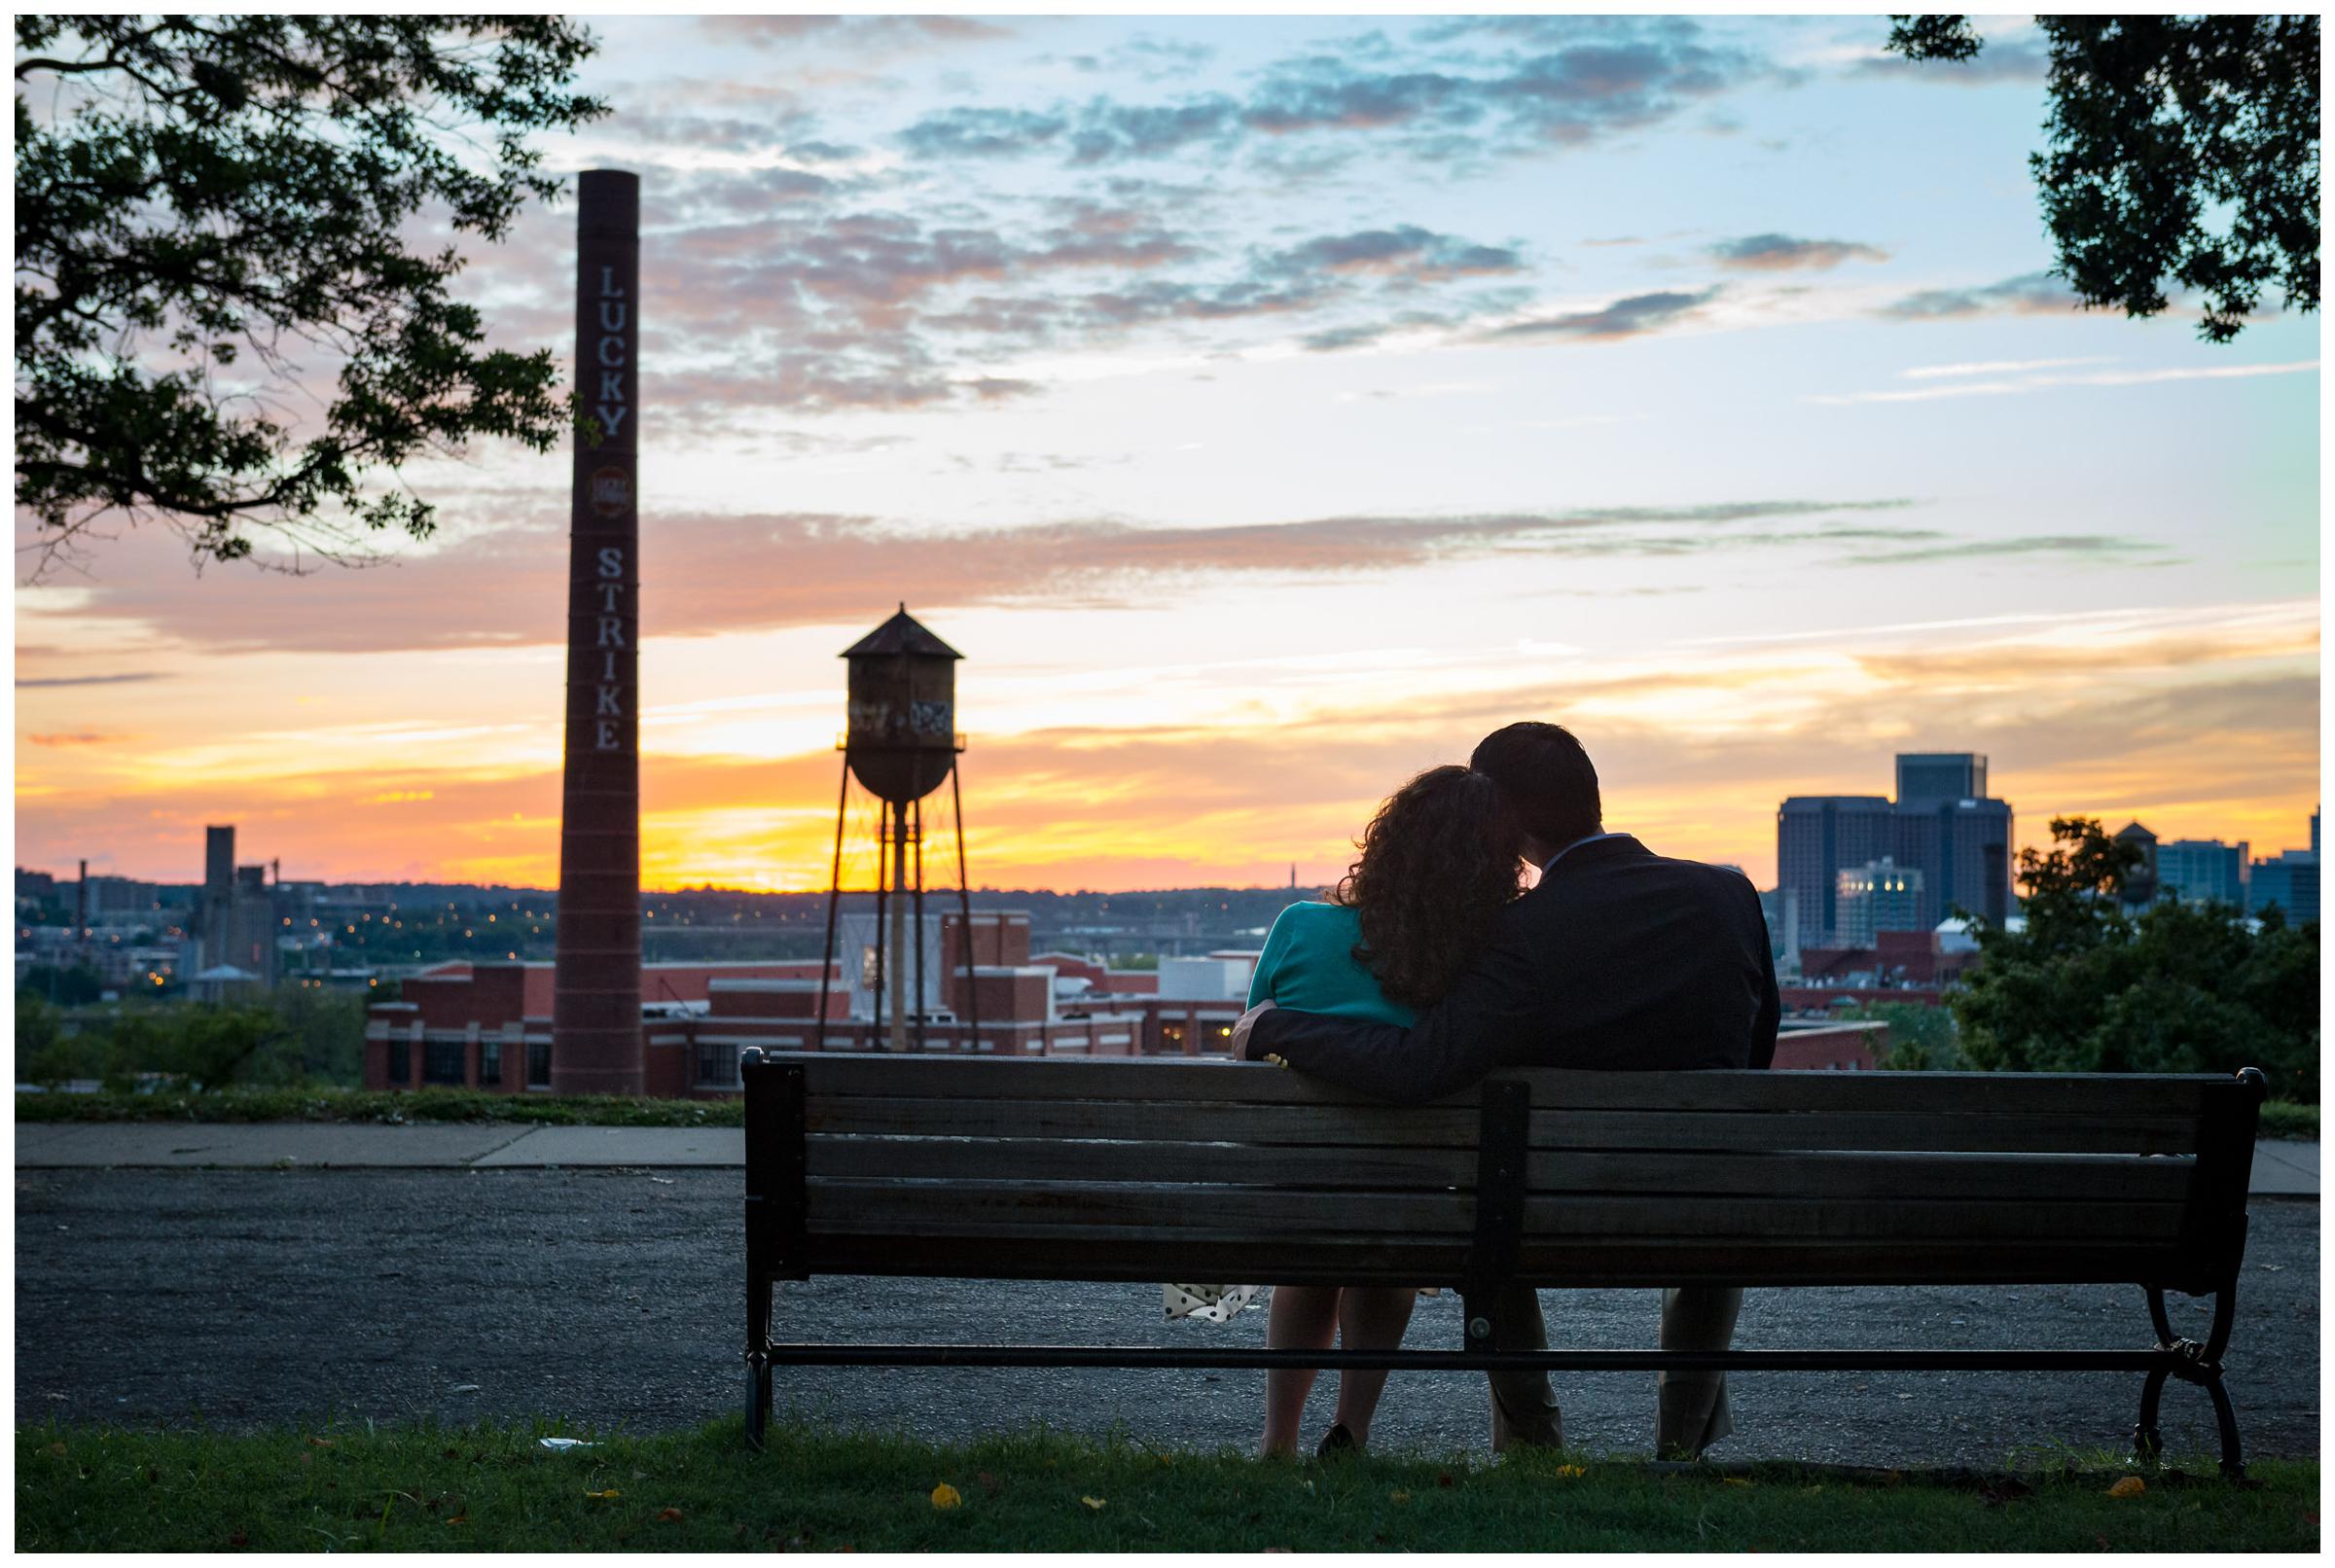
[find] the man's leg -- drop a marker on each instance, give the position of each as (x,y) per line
(1523,1408)
(1690,1406)
(1370,1317)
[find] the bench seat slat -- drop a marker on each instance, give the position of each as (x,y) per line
(1756,1174)
(1039,1209)
(857,1073)
(1106,1254)
(1454,1127)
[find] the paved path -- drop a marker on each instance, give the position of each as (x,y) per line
(609,1296)
(2280,1169)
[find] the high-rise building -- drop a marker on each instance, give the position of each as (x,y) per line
(1942,825)
(1878,896)
(1925,777)
(2202,870)
(1815,837)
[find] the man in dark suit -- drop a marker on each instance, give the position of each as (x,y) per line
(1619,959)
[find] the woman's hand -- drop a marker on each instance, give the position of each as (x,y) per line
(1243,1030)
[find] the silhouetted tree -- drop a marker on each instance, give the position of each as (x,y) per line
(2089,986)
(200,202)
(2181,148)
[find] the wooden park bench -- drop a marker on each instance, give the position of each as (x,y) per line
(1147,1170)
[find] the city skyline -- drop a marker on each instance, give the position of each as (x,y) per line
(1258,451)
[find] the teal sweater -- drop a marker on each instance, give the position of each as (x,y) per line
(1309,964)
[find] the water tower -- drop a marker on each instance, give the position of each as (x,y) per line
(902,745)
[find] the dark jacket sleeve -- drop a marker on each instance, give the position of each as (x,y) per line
(1492,1018)
(1771,1000)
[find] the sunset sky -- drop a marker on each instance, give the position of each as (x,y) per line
(1268,408)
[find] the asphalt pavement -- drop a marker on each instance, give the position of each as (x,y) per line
(311,1285)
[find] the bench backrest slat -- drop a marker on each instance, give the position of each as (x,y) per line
(1010,1168)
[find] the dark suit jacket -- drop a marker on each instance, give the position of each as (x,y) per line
(1618,959)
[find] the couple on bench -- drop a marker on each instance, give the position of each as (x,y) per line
(1431,969)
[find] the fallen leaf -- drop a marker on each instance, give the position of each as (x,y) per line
(669,1515)
(1571,1470)
(239,1538)
(1095,1503)
(1735,1481)
(57,1447)
(1444,1478)
(989,1483)
(459,1518)
(611,1492)
(320,1442)
(2130,1486)
(946,1496)
(1398,1497)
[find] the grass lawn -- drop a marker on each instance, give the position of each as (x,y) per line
(496,1488)
(2281,1119)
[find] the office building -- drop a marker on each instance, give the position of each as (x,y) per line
(1876,897)
(1815,837)
(1942,826)
(2204,871)
(1926,777)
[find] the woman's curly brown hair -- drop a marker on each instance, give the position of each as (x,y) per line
(1439,862)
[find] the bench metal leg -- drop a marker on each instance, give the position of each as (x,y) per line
(2192,1363)
(758,1353)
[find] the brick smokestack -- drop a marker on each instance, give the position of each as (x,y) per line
(595,1007)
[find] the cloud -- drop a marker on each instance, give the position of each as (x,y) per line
(2036,383)
(1408,252)
(1108,132)
(2030,294)
(1996,367)
(895,34)
(2020,61)
(78,739)
(981,134)
(2107,547)
(91,680)
(1563,88)
(1637,316)
(1777,253)
(509,587)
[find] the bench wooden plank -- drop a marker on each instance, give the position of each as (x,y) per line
(1882,1177)
(1104,1255)
(859,1073)
(1298,1216)
(1454,1127)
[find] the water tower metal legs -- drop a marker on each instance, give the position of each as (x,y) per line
(835,890)
(964,905)
(922,1009)
(899,1029)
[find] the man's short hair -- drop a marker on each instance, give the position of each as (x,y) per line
(1547,780)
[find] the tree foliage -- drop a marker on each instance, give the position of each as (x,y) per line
(2091,985)
(2183,149)
(224,314)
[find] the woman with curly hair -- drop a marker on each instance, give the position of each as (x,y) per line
(1438,862)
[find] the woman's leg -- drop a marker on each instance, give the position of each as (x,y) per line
(1369,1318)
(1301,1317)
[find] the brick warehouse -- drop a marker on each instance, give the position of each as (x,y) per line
(489,1027)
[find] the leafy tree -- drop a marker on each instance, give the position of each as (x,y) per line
(2088,986)
(1922,1038)
(72,986)
(200,201)
(2180,147)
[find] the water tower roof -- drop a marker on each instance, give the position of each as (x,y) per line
(902,634)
